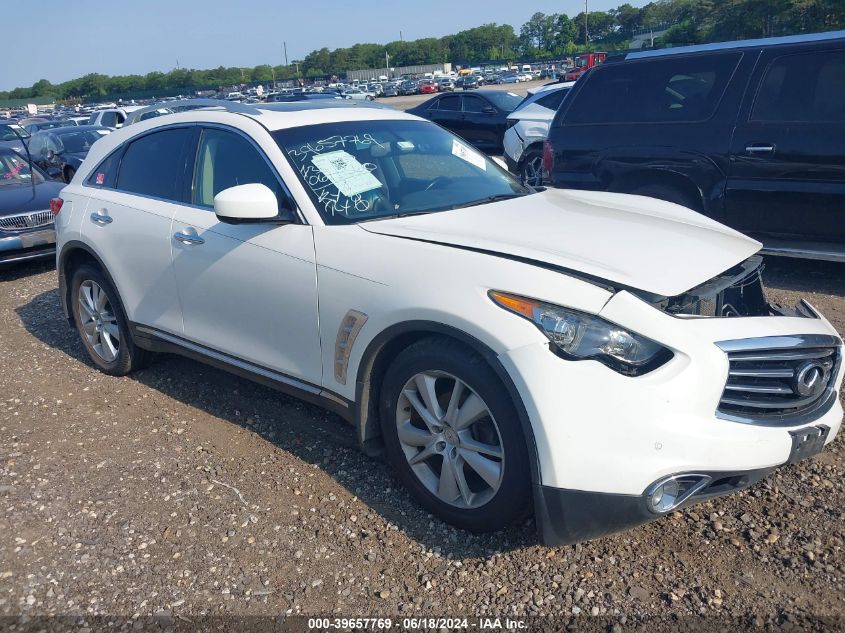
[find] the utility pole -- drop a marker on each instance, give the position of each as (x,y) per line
(286,52)
(586,30)
(387,63)
(400,37)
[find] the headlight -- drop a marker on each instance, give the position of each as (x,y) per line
(579,336)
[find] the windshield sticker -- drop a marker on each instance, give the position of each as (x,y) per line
(464,153)
(101,178)
(346,173)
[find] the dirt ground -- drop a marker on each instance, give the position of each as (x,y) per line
(186,491)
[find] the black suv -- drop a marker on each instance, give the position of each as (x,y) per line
(750,133)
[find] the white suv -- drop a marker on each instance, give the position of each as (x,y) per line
(596,358)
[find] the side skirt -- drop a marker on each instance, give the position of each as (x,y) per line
(157,341)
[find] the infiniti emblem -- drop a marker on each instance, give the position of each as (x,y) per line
(810,379)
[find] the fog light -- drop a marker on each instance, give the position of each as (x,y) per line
(667,494)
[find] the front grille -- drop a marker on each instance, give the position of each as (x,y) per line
(24,221)
(780,380)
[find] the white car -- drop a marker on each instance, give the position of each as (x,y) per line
(358,94)
(112,117)
(527,128)
(599,359)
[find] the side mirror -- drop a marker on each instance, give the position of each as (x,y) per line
(243,204)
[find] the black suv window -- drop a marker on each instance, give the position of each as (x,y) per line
(224,160)
(153,164)
(803,87)
(683,88)
(474,104)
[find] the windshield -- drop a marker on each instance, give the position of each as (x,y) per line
(14,171)
(12,133)
(364,170)
(80,142)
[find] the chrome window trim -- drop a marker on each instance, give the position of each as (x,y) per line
(297,212)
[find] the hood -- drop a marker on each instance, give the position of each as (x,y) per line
(630,241)
(20,198)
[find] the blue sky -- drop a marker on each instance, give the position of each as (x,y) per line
(73,39)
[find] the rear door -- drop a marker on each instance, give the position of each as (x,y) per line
(248,290)
(479,123)
(446,111)
(133,196)
(787,173)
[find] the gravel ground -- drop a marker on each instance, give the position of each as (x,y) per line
(183,491)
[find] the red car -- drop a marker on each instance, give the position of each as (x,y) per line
(428,87)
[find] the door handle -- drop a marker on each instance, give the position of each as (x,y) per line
(186,238)
(760,149)
(102,218)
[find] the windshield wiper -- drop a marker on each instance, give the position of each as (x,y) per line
(495,198)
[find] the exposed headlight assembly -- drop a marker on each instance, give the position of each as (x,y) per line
(579,336)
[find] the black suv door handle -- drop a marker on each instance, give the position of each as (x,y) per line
(760,148)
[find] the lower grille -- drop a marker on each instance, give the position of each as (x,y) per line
(24,221)
(780,380)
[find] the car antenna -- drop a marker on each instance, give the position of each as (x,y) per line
(29,159)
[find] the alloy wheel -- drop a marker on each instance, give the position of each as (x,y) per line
(450,439)
(532,171)
(98,321)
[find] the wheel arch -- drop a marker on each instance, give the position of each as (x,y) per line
(638,179)
(73,255)
(385,346)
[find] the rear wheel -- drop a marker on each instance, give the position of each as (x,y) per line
(101,324)
(454,438)
(531,168)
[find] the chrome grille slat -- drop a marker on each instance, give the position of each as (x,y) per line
(762,372)
(24,221)
(782,355)
(780,380)
(778,389)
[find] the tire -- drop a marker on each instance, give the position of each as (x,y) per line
(531,168)
(669,194)
(70,172)
(101,323)
(473,471)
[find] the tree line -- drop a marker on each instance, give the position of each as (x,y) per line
(542,37)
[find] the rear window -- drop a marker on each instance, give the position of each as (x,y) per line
(675,89)
(552,101)
(153,164)
(803,87)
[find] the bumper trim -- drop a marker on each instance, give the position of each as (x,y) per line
(25,246)
(567,516)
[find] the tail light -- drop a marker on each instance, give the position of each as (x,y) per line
(56,206)
(548,159)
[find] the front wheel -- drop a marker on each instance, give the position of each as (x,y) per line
(454,438)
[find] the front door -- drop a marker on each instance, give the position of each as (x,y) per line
(787,173)
(248,290)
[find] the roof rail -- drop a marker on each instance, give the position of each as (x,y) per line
(192,104)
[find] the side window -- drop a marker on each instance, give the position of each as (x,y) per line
(451,102)
(119,117)
(474,104)
(92,120)
(109,119)
(674,89)
(104,174)
(803,87)
(225,159)
(153,164)
(552,101)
